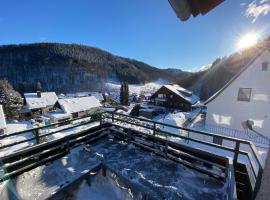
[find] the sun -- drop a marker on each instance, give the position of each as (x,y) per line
(248,40)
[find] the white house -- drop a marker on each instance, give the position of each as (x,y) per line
(80,106)
(245,97)
(3,124)
(39,102)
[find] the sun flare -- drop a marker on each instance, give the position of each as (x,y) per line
(247,41)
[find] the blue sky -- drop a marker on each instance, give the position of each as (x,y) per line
(146,30)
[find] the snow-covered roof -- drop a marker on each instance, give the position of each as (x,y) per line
(58,115)
(73,105)
(183,93)
(98,95)
(2,118)
(35,102)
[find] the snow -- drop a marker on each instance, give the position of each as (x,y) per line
(73,105)
(148,88)
(98,95)
(18,126)
(35,102)
(260,143)
(140,167)
(101,188)
(63,133)
(12,128)
(3,124)
(183,93)
(21,126)
(58,115)
(176,119)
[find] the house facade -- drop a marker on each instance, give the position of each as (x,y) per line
(38,103)
(3,124)
(174,97)
(245,100)
(80,106)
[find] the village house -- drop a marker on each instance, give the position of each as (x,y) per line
(174,97)
(244,101)
(3,124)
(79,107)
(38,103)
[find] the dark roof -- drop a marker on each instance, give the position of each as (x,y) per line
(235,77)
(184,9)
(181,92)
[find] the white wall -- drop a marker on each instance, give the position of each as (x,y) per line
(225,110)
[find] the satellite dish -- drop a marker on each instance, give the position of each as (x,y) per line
(247,125)
(244,125)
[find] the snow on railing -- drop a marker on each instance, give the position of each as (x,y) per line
(254,160)
(257,139)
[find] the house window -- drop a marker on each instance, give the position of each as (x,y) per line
(244,94)
(161,96)
(171,96)
(265,66)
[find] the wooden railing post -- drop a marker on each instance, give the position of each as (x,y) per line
(154,128)
(112,117)
(68,144)
(236,152)
(36,133)
(100,119)
(258,183)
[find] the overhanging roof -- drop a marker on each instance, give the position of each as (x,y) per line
(185,8)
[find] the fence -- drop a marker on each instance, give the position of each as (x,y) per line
(255,162)
(153,128)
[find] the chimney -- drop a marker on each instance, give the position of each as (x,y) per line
(38,94)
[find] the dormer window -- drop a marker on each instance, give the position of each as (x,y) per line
(265,66)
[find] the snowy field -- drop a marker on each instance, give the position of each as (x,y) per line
(136,88)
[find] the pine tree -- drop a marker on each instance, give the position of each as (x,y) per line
(38,86)
(124,94)
(10,99)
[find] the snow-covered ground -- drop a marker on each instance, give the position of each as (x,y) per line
(198,124)
(62,131)
(175,119)
(136,88)
(12,128)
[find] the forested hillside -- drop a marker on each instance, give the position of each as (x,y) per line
(72,68)
(208,82)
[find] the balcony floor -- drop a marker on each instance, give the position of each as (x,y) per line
(160,177)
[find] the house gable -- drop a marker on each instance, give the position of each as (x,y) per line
(168,93)
(227,110)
